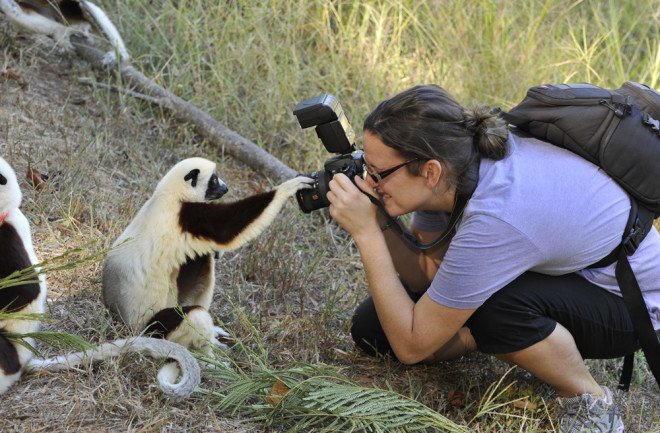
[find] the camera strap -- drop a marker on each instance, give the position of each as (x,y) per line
(460,202)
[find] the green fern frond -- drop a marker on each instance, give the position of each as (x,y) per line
(320,397)
(377,408)
(57,340)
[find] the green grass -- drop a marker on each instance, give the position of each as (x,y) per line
(248,63)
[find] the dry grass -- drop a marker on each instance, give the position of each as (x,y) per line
(297,284)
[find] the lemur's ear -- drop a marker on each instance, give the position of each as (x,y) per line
(192,174)
(3,180)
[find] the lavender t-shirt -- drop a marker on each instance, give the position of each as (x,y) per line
(542,209)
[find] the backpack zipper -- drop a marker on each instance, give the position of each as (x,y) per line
(619,109)
(618,112)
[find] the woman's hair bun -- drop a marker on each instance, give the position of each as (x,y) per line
(489,131)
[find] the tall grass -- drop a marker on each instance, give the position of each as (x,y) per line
(249,62)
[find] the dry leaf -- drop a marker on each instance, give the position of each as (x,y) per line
(37,179)
(226,339)
(11,75)
(277,392)
(365,381)
(456,398)
(524,404)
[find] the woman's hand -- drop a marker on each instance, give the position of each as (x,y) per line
(350,207)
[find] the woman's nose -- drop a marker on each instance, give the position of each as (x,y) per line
(369,178)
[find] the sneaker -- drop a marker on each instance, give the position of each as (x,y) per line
(588,414)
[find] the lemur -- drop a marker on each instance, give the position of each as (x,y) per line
(16,254)
(161,268)
(59,19)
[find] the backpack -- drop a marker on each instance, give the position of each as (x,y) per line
(619,131)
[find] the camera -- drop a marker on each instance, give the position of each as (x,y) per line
(332,127)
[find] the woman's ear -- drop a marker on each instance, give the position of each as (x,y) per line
(432,171)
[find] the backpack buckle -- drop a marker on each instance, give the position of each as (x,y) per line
(651,122)
(634,237)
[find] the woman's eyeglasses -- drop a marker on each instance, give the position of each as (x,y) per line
(377,177)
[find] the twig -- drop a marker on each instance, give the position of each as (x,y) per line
(118,89)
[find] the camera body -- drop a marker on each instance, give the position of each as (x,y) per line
(332,127)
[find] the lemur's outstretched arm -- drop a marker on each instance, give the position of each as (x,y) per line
(231,225)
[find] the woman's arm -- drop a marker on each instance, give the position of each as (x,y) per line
(415,330)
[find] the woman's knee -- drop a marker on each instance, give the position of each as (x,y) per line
(509,321)
(366,330)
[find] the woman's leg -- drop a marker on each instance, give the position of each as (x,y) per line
(549,324)
(544,324)
(367,332)
(369,336)
(556,361)
(366,329)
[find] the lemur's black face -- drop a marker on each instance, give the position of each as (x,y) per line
(215,188)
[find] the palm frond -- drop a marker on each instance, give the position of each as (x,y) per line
(30,275)
(320,397)
(18,278)
(64,261)
(57,340)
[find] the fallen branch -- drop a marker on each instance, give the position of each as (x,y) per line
(233,143)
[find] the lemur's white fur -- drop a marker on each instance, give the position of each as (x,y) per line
(10,200)
(95,16)
(140,272)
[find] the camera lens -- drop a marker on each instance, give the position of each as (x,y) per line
(315,197)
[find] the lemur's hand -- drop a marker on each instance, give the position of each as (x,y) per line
(292,185)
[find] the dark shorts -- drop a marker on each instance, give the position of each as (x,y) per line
(525,312)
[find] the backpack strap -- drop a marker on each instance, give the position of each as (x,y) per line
(632,295)
(639,224)
(509,118)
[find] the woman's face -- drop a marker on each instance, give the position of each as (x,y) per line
(400,192)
